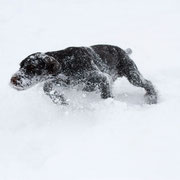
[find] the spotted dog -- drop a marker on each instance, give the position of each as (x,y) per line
(95,67)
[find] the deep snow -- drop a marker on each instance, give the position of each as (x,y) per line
(91,139)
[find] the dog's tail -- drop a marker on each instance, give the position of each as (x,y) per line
(128,51)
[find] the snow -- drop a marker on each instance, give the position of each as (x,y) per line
(120,138)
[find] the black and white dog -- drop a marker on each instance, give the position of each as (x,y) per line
(94,67)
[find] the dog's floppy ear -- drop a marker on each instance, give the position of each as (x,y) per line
(52,65)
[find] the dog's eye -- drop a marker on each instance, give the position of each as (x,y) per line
(30,67)
(32,70)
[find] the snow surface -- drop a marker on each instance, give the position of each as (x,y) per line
(92,139)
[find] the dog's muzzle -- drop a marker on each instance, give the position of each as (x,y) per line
(16,82)
(20,81)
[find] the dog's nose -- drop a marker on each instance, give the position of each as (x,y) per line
(14,80)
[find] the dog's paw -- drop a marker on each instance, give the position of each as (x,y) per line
(151,98)
(58,98)
(58,101)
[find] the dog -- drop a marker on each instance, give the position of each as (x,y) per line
(96,67)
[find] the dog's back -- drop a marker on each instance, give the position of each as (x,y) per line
(107,58)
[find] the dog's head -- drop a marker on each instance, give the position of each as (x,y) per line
(33,69)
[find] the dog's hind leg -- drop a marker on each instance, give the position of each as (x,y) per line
(101,81)
(50,90)
(130,71)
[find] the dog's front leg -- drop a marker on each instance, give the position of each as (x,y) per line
(50,90)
